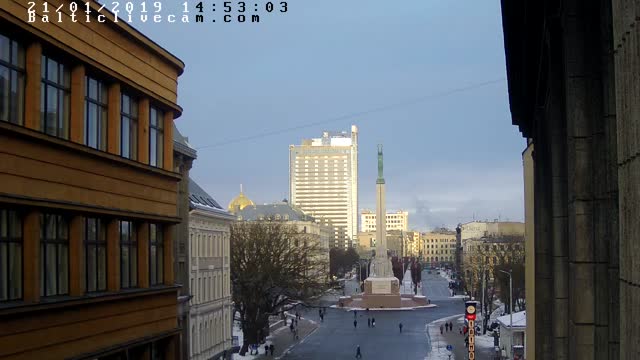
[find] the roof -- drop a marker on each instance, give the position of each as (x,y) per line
(138,35)
(519,320)
(239,202)
(181,144)
(285,211)
(199,197)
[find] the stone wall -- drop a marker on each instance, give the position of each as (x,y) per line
(626,42)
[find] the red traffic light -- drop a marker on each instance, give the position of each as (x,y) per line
(470,310)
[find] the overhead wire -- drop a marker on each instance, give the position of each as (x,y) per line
(353,115)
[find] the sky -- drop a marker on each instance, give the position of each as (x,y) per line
(422,66)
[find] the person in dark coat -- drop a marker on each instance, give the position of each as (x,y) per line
(450,326)
(266,349)
(400,327)
(271,349)
(373,322)
(355,324)
(358,353)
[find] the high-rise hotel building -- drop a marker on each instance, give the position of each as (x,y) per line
(323,182)
(88,187)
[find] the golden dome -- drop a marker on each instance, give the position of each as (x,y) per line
(239,202)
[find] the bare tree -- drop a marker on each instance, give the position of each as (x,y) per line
(272,264)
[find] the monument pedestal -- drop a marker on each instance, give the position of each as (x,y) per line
(382,292)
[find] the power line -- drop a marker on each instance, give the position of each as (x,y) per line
(354,115)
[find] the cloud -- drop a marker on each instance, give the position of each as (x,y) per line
(446,196)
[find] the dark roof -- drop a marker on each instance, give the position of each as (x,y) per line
(197,196)
(255,212)
(181,145)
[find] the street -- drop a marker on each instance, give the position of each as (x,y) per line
(336,337)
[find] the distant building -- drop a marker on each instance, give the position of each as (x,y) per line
(478,229)
(211,309)
(323,182)
(438,247)
(183,157)
(395,220)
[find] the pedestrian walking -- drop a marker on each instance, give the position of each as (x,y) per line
(358,353)
(355,324)
(368,322)
(291,326)
(321,317)
(271,349)
(441,329)
(266,349)
(320,312)
(446,327)
(400,327)
(373,322)
(450,326)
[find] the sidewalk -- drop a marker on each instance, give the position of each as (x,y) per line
(282,338)
(484,348)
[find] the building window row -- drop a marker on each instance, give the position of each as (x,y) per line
(55,104)
(54,262)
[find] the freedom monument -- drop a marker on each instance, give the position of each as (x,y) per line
(381,288)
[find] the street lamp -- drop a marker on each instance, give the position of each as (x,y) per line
(510,303)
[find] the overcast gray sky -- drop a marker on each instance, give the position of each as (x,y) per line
(447,158)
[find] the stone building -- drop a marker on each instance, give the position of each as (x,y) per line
(398,220)
(438,247)
(183,157)
(573,78)
(89,191)
(211,309)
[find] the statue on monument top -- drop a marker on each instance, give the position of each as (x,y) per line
(380,177)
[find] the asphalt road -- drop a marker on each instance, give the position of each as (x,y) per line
(336,338)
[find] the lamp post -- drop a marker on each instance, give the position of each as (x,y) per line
(510,304)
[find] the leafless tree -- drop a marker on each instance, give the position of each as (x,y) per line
(272,264)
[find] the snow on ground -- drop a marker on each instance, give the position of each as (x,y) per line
(237,331)
(438,342)
(484,341)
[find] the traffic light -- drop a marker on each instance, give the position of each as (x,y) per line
(470,310)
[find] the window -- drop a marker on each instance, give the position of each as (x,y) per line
(128,255)
(155,254)
(129,127)
(54,255)
(156,137)
(11,81)
(95,242)
(10,255)
(54,98)
(95,114)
